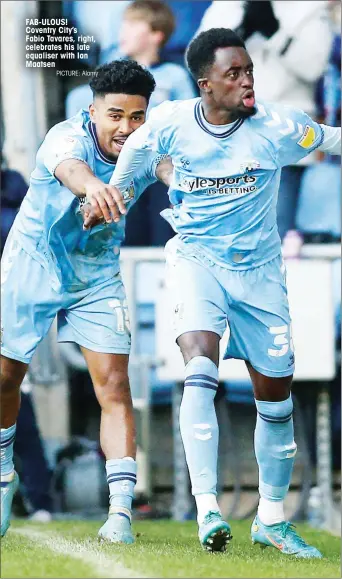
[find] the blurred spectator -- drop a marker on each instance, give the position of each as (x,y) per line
(288,60)
(28,448)
(102,18)
(146,27)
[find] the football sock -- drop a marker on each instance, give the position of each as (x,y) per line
(205,503)
(275,450)
(121,478)
(198,425)
(7,436)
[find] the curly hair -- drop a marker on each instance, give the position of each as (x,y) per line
(123,77)
(200,54)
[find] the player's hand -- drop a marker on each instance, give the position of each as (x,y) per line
(107,202)
(90,216)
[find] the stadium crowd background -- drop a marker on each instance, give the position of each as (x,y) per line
(296,48)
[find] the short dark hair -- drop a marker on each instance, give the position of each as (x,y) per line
(123,77)
(157,14)
(200,54)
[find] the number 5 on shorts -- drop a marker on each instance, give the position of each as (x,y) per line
(281,339)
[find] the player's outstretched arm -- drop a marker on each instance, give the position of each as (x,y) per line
(132,156)
(106,201)
(163,172)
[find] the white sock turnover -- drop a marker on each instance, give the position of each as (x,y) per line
(271,512)
(205,502)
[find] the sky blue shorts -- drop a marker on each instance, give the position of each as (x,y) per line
(254,304)
(96,317)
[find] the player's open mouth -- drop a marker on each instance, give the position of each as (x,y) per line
(249,99)
(119,143)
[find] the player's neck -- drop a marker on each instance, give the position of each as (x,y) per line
(217,116)
(147,58)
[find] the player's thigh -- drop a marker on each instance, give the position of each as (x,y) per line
(195,300)
(260,323)
(97,318)
(28,303)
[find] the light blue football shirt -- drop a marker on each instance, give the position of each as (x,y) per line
(49,223)
(225,186)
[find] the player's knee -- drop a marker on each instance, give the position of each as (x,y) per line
(11,376)
(114,390)
(7,385)
(192,347)
(270,389)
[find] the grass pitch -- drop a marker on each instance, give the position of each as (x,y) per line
(162,549)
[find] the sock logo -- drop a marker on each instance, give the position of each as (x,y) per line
(125,486)
(198,435)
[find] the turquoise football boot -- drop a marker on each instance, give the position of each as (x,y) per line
(214,533)
(8,490)
(283,537)
(117,528)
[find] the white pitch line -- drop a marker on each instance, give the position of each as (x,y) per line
(101,563)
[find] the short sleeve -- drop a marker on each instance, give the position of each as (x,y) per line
(153,162)
(61,146)
(295,135)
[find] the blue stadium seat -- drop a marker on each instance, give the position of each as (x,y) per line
(319,204)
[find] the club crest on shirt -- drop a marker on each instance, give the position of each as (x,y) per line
(128,194)
(65,145)
(249,165)
(185,163)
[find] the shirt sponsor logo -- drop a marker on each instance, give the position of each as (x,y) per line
(239,185)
